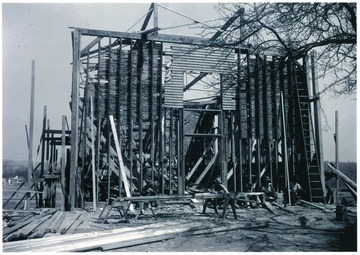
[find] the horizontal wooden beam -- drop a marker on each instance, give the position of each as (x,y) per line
(202,135)
(166,38)
(53,131)
(160,38)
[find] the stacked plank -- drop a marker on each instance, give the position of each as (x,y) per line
(47,222)
(24,227)
(124,237)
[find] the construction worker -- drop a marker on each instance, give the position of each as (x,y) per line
(217,187)
(296,191)
(268,189)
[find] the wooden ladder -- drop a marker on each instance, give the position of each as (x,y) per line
(309,143)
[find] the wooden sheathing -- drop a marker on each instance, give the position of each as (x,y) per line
(125,85)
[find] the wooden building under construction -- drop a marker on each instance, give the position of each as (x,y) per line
(136,118)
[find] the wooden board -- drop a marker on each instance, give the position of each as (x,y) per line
(43,228)
(121,238)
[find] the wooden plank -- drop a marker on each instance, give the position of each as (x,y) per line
(200,159)
(121,162)
(53,228)
(41,230)
(76,224)
(26,245)
(314,205)
(67,222)
(16,227)
(90,45)
(28,229)
(116,239)
(211,163)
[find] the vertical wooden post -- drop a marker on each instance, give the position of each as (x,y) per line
(98,118)
(232,141)
(107,113)
(249,114)
(291,114)
(93,153)
(336,137)
(31,135)
(257,120)
(242,27)
(285,156)
(140,106)
(63,164)
(156,22)
(130,118)
(119,116)
(74,116)
(171,147)
(42,169)
(182,155)
(153,103)
(275,121)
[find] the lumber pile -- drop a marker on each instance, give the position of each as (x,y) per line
(124,237)
(23,224)
(20,225)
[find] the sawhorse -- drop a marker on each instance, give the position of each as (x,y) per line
(123,207)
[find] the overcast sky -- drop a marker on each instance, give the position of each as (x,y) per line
(41,32)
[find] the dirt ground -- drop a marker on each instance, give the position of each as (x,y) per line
(307,229)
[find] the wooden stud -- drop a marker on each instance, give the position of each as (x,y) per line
(153,102)
(31,135)
(274,87)
(98,118)
(63,164)
(249,114)
(119,117)
(240,124)
(284,144)
(74,116)
(107,114)
(130,120)
(257,120)
(171,147)
(140,63)
(93,170)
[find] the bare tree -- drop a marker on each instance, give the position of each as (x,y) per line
(295,29)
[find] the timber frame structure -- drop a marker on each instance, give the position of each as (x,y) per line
(131,125)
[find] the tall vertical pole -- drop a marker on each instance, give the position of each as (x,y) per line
(336,137)
(93,153)
(74,116)
(285,156)
(31,134)
(156,20)
(63,162)
(42,169)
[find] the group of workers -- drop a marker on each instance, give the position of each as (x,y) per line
(296,191)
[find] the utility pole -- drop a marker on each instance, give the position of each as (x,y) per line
(31,135)
(336,138)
